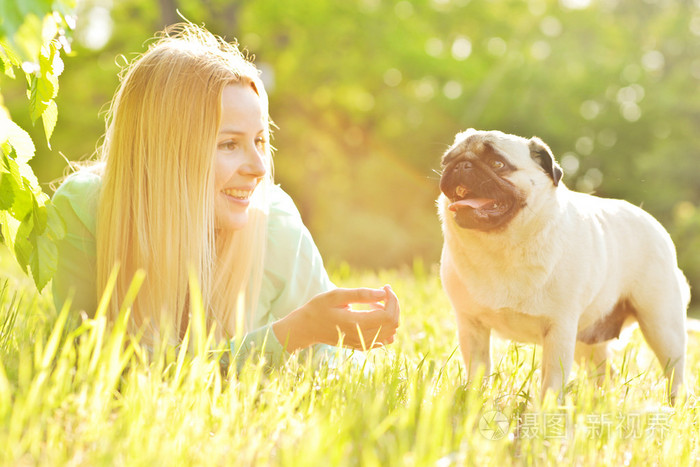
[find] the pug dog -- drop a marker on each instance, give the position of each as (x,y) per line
(535,262)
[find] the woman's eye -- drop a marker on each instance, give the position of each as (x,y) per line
(228,145)
(496,164)
(261,142)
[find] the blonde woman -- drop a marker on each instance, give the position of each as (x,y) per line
(183,188)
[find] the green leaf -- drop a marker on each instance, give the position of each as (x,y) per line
(40,217)
(17,137)
(7,191)
(9,166)
(49,29)
(23,195)
(37,92)
(23,244)
(56,227)
(50,60)
(43,260)
(6,66)
(8,228)
(9,57)
(44,86)
(5,229)
(20,148)
(49,118)
(35,250)
(24,198)
(30,224)
(27,39)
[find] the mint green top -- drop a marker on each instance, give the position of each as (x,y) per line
(293,273)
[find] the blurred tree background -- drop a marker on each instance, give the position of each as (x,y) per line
(367,94)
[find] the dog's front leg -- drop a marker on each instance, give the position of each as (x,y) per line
(475,344)
(558,346)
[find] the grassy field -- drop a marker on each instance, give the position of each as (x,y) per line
(76,392)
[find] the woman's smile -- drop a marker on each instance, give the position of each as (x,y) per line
(238,195)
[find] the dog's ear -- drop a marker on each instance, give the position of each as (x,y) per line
(541,154)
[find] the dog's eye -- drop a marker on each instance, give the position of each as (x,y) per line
(496,164)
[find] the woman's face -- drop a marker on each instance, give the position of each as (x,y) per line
(240,155)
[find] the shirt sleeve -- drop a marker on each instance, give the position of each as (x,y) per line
(76,201)
(294,273)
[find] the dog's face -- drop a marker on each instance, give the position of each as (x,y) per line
(489,177)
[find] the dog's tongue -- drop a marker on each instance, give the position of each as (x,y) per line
(475,203)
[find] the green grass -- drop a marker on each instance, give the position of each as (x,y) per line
(77,392)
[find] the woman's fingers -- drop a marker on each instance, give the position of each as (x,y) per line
(392,303)
(364,330)
(329,317)
(343,297)
(365,319)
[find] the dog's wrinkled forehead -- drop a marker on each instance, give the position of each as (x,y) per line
(473,144)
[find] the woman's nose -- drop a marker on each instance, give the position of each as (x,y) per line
(256,163)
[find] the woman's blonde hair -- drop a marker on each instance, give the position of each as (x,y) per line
(156,207)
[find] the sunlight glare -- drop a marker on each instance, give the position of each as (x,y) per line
(575,4)
(98,28)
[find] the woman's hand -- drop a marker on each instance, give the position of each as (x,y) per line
(328,317)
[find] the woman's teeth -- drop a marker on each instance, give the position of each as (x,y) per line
(238,194)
